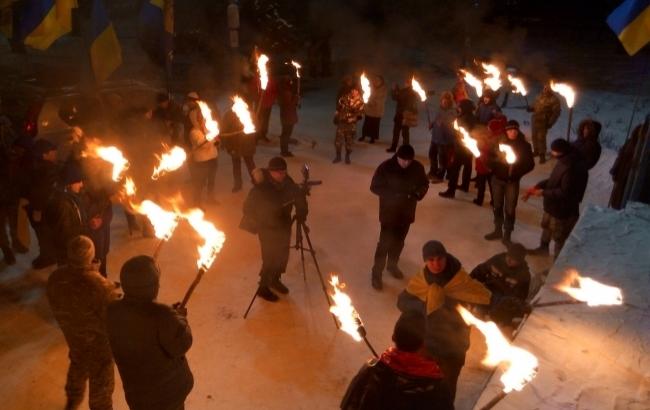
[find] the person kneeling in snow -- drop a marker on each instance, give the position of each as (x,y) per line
(436,291)
(403,377)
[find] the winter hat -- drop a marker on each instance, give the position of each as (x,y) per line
(408,334)
(277,164)
(80,251)
(193,95)
(42,147)
(140,277)
(517,252)
(72,174)
(561,146)
(433,249)
(406,152)
(512,125)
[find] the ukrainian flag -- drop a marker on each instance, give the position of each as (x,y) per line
(631,23)
(156,28)
(105,51)
(44,21)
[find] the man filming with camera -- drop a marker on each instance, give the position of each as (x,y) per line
(267,213)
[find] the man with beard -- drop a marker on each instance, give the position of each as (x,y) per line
(267,213)
(400,183)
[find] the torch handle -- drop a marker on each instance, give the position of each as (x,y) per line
(496,399)
(557,303)
(568,130)
(156,252)
(372,349)
(196,281)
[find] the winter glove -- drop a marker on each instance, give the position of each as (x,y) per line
(181,310)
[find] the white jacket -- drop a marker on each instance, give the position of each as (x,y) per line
(202,149)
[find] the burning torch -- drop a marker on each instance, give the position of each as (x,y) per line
(112,155)
(164,222)
(423,96)
(347,315)
(169,161)
(585,290)
(566,91)
(468,141)
(511,157)
(518,87)
(262,70)
(365,87)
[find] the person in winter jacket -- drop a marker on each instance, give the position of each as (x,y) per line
(487,107)
(239,146)
(460,90)
(190,111)
(374,109)
(461,157)
(78,296)
(622,169)
(149,340)
(505,180)
(400,182)
(349,109)
(562,191)
(288,99)
(403,378)
(507,276)
(435,292)
(267,213)
(442,137)
(496,130)
(587,143)
(267,99)
(546,110)
(99,209)
(204,163)
(406,113)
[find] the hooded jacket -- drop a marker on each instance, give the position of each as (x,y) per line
(589,147)
(399,190)
(524,164)
(565,188)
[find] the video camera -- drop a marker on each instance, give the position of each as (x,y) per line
(306,184)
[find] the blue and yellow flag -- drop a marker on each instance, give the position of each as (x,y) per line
(631,23)
(156,29)
(44,21)
(105,51)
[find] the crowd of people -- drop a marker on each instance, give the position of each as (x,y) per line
(69,207)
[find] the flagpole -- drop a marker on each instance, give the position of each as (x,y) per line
(168,27)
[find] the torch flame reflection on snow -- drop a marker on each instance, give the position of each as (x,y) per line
(511,157)
(344,311)
(365,87)
(170,161)
(468,141)
(473,82)
(589,291)
(521,364)
(418,89)
(240,108)
(114,156)
(517,85)
(210,123)
(164,222)
(494,76)
(213,238)
(261,68)
(566,91)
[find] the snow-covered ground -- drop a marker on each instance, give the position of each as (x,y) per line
(286,355)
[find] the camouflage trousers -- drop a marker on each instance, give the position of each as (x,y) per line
(345,134)
(557,229)
(539,138)
(93,367)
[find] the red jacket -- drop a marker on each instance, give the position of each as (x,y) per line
(496,128)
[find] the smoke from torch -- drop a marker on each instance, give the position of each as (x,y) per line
(240,108)
(365,87)
(418,89)
(566,91)
(213,238)
(472,81)
(211,124)
(169,161)
(468,141)
(261,68)
(587,290)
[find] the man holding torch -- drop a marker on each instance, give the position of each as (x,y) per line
(506,174)
(267,213)
(546,110)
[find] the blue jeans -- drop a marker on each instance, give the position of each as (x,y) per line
(505,195)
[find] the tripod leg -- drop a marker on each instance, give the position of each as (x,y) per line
(251,304)
(302,250)
(320,274)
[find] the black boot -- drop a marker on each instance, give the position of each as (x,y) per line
(279,286)
(376,282)
(542,250)
(506,238)
(494,235)
(347,157)
(542,158)
(265,293)
(338,156)
(10,258)
(447,194)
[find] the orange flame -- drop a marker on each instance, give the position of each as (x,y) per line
(472,81)
(261,68)
(566,91)
(511,157)
(211,125)
(418,89)
(343,309)
(521,364)
(365,86)
(129,187)
(169,161)
(164,222)
(213,238)
(589,291)
(494,76)
(240,108)
(114,156)
(517,85)
(297,66)
(468,141)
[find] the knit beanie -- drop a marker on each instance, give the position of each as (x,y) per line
(80,252)
(140,278)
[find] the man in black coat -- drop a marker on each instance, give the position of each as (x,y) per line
(41,188)
(267,213)
(400,183)
(149,341)
(238,145)
(562,191)
(505,180)
(587,143)
(403,378)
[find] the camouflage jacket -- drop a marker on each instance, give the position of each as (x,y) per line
(349,107)
(546,110)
